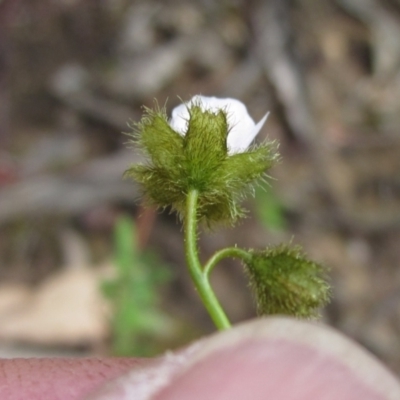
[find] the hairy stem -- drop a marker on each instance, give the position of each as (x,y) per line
(197,273)
(229,252)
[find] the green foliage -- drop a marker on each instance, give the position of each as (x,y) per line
(134,295)
(269,210)
(198,161)
(286,282)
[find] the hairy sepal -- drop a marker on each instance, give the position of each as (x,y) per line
(285,281)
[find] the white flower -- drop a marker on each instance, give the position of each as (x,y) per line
(242,128)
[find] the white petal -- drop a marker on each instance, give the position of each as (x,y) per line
(243,140)
(242,129)
(179,119)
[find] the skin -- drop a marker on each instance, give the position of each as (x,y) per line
(274,358)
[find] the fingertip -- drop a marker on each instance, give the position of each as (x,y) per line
(58,378)
(279,358)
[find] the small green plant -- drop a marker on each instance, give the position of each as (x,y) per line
(201,164)
(136,318)
(269,210)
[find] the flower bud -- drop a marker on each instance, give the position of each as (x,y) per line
(286,282)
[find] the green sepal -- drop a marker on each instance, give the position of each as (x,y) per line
(286,282)
(157,139)
(206,140)
(237,177)
(197,160)
(161,177)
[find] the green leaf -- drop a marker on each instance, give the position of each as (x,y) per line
(133,293)
(269,210)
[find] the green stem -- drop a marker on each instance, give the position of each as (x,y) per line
(199,277)
(229,252)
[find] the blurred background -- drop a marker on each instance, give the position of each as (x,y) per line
(85,270)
